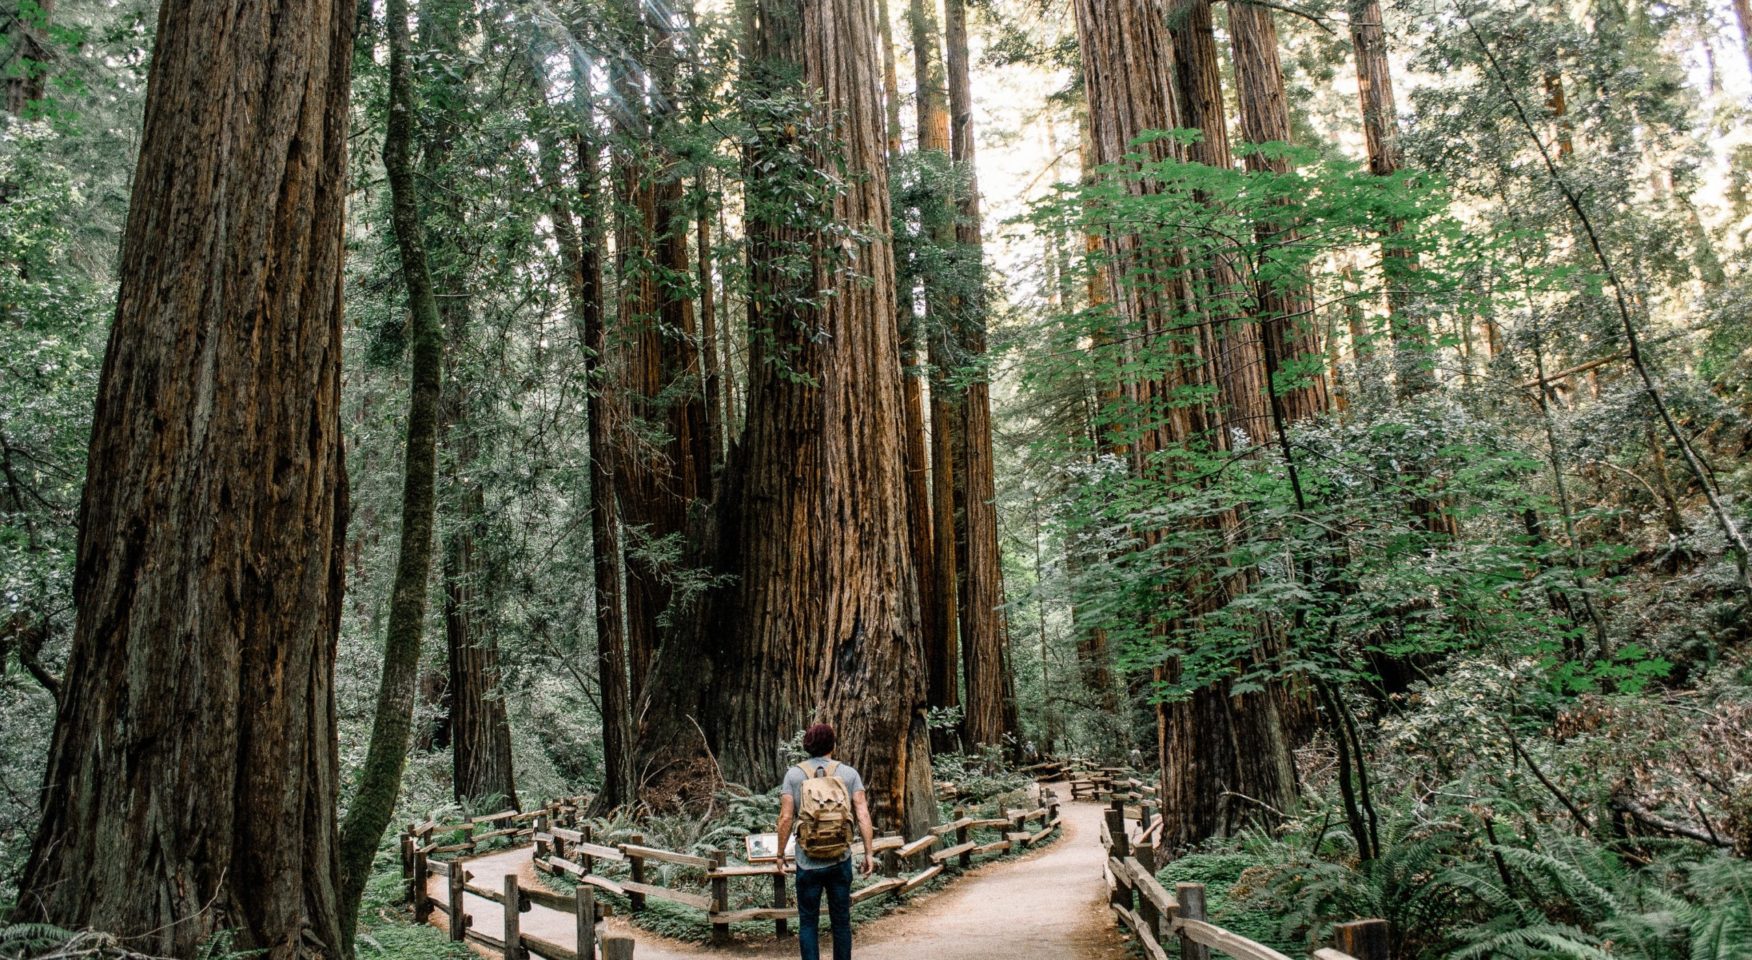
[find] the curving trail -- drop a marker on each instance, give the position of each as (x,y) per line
(1051,902)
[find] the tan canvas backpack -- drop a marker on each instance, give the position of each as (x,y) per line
(824,822)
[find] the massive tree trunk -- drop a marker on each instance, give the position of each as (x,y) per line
(192,781)
(1208,743)
(825,609)
(985,640)
(940,597)
(581,257)
(373,803)
(1287,314)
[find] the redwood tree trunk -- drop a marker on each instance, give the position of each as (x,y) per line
(1207,742)
(825,607)
(940,598)
(29,54)
(581,256)
(985,640)
(665,457)
(1408,332)
(1287,314)
(192,781)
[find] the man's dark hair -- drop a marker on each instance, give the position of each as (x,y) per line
(818,739)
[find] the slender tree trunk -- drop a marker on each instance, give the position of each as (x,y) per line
(477,729)
(941,600)
(1407,330)
(581,257)
(914,361)
(373,804)
(1287,313)
(991,684)
(192,780)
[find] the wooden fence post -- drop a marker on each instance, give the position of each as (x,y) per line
(1147,912)
(617,948)
(781,900)
(1191,897)
(417,889)
(407,853)
(966,859)
(1363,939)
(720,901)
(890,863)
(512,912)
(635,864)
(1146,817)
(541,846)
(587,861)
(1118,849)
(453,897)
(584,920)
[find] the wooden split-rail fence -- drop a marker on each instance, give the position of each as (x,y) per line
(561,844)
(1157,917)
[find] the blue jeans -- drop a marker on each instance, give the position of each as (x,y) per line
(837,881)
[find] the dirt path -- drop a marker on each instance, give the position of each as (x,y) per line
(1049,903)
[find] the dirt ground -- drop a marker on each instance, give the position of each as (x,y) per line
(1051,903)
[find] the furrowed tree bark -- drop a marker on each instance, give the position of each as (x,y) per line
(914,361)
(1206,742)
(665,460)
(825,607)
(1408,332)
(1287,314)
(373,803)
(991,685)
(192,780)
(940,598)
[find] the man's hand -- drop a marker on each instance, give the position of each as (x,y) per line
(869,866)
(784,864)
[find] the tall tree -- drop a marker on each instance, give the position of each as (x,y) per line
(476,726)
(825,607)
(373,803)
(581,257)
(991,686)
(1287,314)
(666,462)
(940,596)
(192,781)
(1408,331)
(1206,740)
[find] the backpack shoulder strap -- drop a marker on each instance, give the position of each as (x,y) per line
(802,768)
(832,766)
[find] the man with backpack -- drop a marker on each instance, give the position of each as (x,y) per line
(823,797)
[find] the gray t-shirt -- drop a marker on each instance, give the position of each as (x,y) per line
(794,787)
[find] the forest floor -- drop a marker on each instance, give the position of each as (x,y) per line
(1050,902)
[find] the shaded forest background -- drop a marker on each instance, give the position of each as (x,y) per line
(1336,409)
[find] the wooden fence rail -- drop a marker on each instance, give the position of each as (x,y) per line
(1157,917)
(574,851)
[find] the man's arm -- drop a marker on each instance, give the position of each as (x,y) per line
(861,803)
(787,810)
